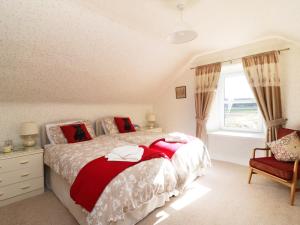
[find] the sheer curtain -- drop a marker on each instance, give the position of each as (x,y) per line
(207,78)
(262,71)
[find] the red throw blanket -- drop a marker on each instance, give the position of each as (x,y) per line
(93,178)
(168,148)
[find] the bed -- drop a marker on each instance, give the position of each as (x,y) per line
(127,199)
(189,162)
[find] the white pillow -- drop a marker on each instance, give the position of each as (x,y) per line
(109,126)
(56,136)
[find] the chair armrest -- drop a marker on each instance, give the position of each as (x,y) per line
(267,149)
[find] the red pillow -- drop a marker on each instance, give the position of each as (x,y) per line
(75,132)
(285,131)
(124,124)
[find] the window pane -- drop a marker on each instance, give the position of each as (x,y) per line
(237,87)
(243,116)
(240,108)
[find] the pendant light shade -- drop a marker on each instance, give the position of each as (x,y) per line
(183,33)
(182,36)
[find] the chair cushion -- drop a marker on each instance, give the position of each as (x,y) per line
(272,166)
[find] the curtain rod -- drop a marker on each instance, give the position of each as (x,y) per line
(230,60)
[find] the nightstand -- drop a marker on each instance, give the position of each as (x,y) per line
(21,175)
(155,129)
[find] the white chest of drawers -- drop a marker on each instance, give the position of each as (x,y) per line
(21,175)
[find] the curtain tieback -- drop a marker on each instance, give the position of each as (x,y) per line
(200,120)
(276,122)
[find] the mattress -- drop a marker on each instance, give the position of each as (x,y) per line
(126,193)
(189,161)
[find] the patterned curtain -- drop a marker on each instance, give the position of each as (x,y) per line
(207,78)
(263,75)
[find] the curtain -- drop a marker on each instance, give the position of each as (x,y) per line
(207,78)
(262,71)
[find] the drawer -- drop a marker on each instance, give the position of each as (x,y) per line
(20,162)
(21,188)
(20,175)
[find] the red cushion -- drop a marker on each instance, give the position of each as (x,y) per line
(285,131)
(75,132)
(124,124)
(272,166)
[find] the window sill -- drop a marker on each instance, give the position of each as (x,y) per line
(238,134)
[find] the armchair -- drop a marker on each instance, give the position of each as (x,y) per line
(286,173)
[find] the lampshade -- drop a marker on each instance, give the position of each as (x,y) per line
(182,33)
(151,117)
(182,36)
(29,128)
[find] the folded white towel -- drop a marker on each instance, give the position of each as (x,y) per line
(129,153)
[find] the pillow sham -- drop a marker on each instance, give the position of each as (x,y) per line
(109,126)
(124,124)
(75,132)
(286,148)
(55,135)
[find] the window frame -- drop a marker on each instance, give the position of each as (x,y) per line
(221,97)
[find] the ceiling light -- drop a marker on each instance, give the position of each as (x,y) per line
(183,33)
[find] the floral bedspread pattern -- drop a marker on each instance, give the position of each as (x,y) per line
(127,191)
(140,137)
(189,161)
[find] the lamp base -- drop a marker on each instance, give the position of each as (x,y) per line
(29,141)
(151,125)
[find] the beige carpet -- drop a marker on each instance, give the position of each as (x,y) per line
(219,198)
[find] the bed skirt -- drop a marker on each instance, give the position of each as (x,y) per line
(61,189)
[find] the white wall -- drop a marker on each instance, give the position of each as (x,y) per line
(13,114)
(231,148)
(179,114)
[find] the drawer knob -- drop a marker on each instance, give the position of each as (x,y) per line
(1,194)
(0,181)
(25,187)
(25,174)
(24,162)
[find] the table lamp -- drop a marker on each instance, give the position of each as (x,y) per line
(151,120)
(29,132)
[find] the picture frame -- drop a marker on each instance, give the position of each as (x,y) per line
(180,92)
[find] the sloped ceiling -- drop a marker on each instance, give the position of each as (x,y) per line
(114,51)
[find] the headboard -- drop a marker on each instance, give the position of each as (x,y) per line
(44,138)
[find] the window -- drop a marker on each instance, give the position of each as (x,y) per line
(238,107)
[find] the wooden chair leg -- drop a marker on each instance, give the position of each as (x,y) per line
(293,193)
(250,175)
(294,182)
